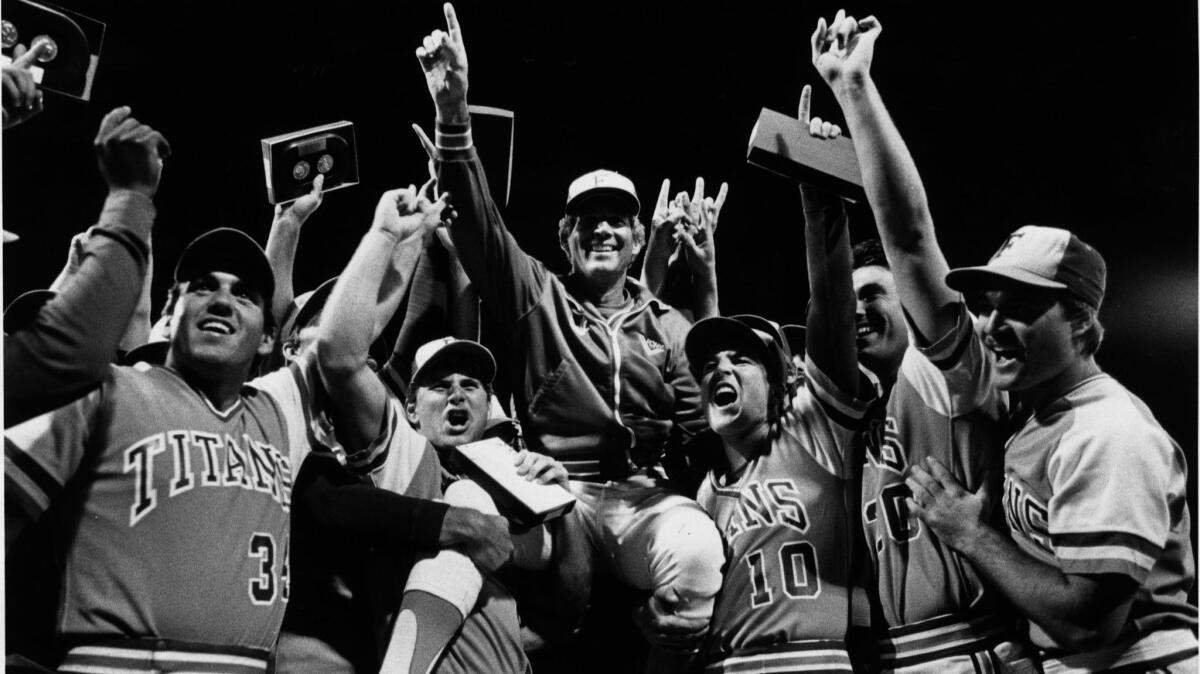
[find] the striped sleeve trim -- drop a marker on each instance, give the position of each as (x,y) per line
(946,352)
(37,485)
(453,141)
(375,455)
(1106,552)
(845,410)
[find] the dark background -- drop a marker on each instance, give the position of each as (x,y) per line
(1081,116)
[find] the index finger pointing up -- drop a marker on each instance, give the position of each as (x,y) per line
(452,22)
(698,194)
(663,194)
(805,104)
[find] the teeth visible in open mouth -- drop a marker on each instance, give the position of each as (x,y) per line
(216,326)
(724,394)
(863,330)
(603,248)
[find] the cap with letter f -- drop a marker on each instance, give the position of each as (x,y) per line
(463,356)
(602,189)
(1041,257)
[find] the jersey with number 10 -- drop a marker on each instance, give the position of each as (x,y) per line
(942,405)
(173,517)
(786,530)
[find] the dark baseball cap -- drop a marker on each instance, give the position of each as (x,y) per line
(719,333)
(231,251)
(1042,257)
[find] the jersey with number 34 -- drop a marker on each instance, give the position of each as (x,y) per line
(172,515)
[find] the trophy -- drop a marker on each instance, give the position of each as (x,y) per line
(292,161)
(782,145)
(63,46)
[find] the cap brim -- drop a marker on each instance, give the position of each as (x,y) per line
(22,310)
(231,251)
(968,279)
(470,358)
(600,198)
(718,334)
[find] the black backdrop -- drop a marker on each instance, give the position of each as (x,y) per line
(1073,114)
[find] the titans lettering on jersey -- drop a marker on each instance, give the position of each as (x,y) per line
(1026,514)
(171,515)
(206,460)
(761,504)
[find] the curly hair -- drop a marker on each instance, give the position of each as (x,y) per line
(568,222)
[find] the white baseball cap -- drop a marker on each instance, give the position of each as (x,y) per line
(602,186)
(470,358)
(1043,257)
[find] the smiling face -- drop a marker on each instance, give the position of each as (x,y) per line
(218,325)
(601,245)
(881,334)
(735,392)
(1030,335)
(449,408)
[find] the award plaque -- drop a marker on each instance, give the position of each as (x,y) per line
(782,145)
(292,161)
(63,46)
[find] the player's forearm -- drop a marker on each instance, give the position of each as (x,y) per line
(282,242)
(897,197)
(654,264)
(348,321)
(1076,611)
(830,338)
(705,298)
(69,346)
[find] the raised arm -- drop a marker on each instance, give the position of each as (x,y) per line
(349,321)
(283,241)
(67,348)
(842,53)
(829,339)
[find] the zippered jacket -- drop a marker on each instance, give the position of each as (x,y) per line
(603,396)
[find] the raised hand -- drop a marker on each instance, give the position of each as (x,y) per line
(21,97)
(696,238)
(304,206)
(443,57)
(130,153)
(842,51)
(405,213)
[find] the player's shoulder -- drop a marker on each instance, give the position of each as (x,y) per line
(1101,413)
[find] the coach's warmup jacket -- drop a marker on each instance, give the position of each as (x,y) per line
(604,397)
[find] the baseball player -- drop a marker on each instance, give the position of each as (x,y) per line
(601,379)
(447,604)
(164,466)
(1095,492)
(935,613)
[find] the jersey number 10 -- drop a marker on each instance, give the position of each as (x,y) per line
(798,568)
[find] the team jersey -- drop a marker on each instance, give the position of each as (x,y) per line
(1094,485)
(942,405)
(490,638)
(786,531)
(155,485)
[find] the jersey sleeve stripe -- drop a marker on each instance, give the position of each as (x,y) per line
(948,351)
(22,495)
(845,410)
(1111,559)
(1107,539)
(375,455)
(29,475)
